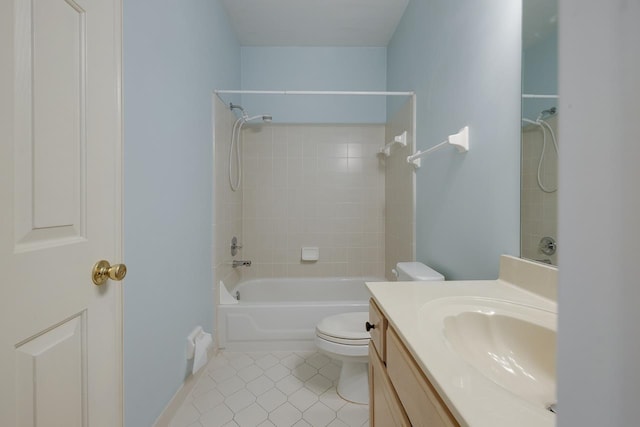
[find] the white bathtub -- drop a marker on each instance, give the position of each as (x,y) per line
(281,314)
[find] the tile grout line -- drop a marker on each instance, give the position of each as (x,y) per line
(314,361)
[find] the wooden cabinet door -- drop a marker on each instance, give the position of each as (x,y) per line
(385,409)
(379,330)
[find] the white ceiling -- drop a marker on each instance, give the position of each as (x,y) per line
(315,22)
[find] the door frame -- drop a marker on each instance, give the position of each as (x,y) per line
(118,203)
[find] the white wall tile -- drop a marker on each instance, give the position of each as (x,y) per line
(303,185)
(396,214)
(227,220)
(539,210)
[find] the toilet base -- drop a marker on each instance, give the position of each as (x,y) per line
(353,384)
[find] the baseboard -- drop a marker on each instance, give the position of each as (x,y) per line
(178,399)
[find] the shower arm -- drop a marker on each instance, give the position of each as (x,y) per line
(233,106)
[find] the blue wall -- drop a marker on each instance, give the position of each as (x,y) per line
(315,68)
(468,209)
(463,60)
(175,54)
(540,75)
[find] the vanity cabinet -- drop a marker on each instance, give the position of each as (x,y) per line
(377,328)
(400,394)
(384,405)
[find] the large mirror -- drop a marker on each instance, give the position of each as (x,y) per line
(539,161)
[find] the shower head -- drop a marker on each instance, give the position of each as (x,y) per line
(267,118)
(547,113)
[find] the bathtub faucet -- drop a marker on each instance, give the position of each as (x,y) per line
(237,263)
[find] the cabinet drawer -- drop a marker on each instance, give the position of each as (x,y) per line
(385,409)
(378,333)
(420,400)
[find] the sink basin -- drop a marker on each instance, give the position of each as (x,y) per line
(512,345)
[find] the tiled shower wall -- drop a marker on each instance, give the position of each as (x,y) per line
(313,185)
(400,189)
(227,205)
(539,210)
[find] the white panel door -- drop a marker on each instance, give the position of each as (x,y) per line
(60,212)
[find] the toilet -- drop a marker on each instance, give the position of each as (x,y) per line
(344,337)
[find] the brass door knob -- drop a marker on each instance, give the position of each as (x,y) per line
(103,271)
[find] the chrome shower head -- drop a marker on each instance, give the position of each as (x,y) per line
(266,118)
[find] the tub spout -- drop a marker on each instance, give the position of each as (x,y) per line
(237,263)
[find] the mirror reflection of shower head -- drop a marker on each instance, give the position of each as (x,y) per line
(547,113)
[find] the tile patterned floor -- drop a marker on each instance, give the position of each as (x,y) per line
(269,389)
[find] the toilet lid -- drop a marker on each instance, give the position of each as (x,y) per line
(349,326)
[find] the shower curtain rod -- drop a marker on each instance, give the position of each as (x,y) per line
(532,96)
(309,92)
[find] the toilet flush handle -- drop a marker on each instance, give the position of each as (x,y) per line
(369,326)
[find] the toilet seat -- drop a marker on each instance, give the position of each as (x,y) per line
(344,341)
(343,351)
(345,338)
(346,329)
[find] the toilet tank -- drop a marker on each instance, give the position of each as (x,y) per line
(416,271)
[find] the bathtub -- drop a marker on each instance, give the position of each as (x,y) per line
(282,313)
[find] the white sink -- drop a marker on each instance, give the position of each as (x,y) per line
(512,345)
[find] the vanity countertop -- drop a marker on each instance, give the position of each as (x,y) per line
(474,399)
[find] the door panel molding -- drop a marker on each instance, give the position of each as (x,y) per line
(50,124)
(51,361)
